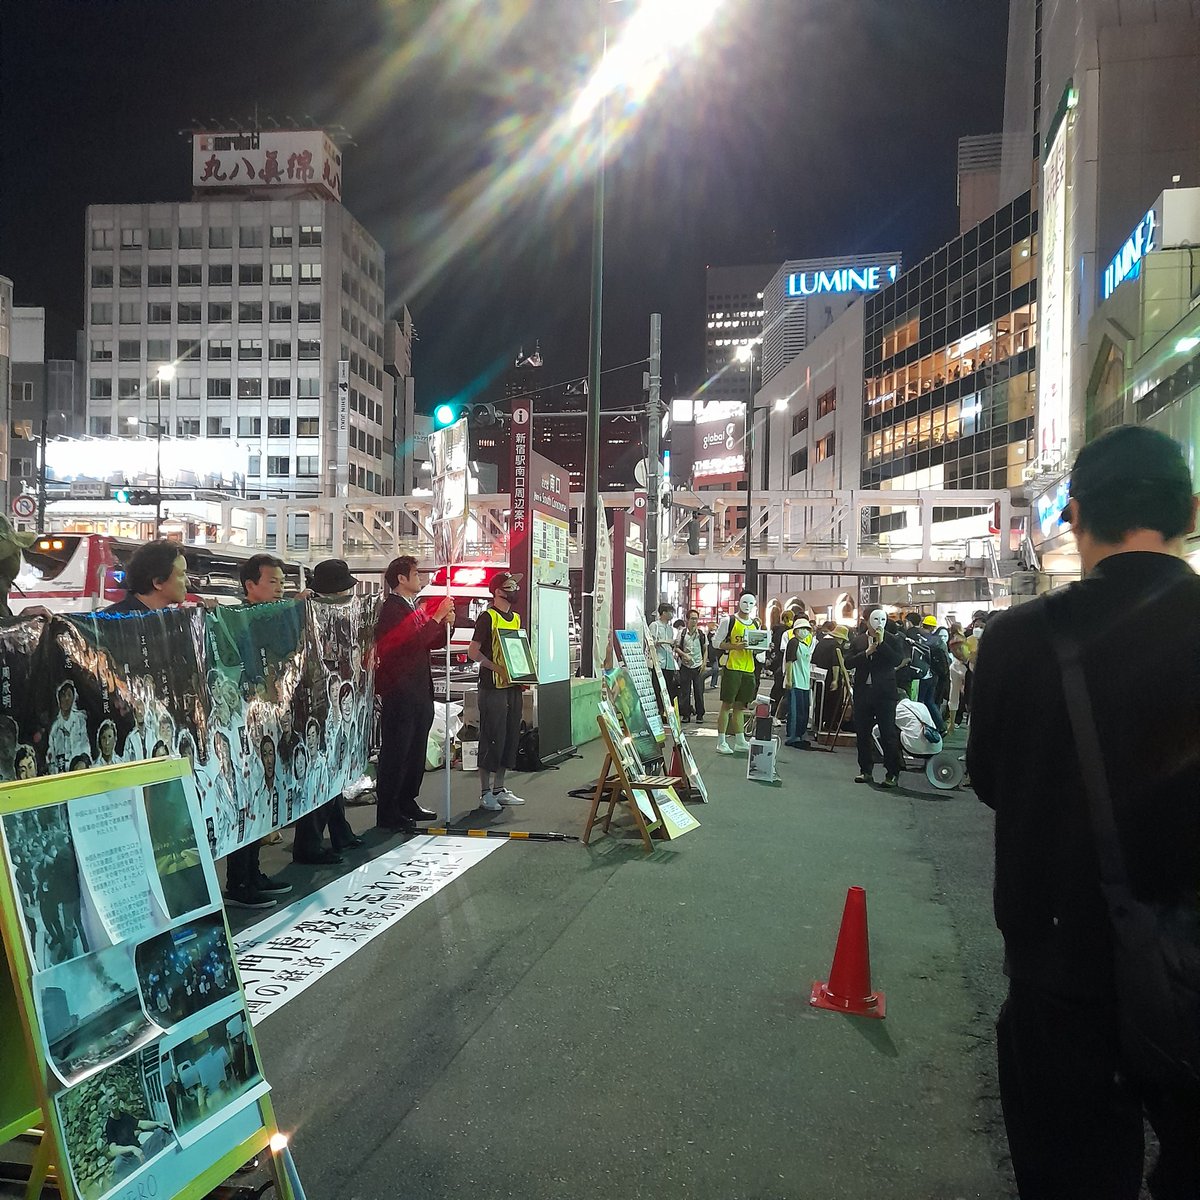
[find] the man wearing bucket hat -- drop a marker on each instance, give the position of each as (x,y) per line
(1073,1091)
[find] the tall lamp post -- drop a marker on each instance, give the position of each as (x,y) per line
(163,378)
(745,354)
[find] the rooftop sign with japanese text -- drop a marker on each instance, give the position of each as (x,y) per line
(268,159)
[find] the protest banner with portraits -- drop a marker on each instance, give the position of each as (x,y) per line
(138,1054)
(271,704)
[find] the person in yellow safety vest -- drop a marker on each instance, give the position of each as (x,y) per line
(738,681)
(500,700)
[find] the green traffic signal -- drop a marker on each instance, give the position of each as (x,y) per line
(121,495)
(443,415)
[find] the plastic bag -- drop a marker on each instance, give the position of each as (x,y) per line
(435,753)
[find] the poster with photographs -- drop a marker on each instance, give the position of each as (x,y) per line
(113,1127)
(631,764)
(22,736)
(90,1012)
(183,971)
(627,702)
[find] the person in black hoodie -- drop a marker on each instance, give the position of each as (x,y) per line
(874,657)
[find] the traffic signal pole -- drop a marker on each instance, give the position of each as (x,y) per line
(653,468)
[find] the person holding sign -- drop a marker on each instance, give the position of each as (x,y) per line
(738,681)
(404,637)
(500,700)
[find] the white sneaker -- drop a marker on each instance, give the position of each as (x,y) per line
(506,798)
(488,801)
(740,745)
(723,747)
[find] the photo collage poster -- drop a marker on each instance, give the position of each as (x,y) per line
(139,1011)
(271,704)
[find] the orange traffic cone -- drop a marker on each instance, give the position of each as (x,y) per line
(849,986)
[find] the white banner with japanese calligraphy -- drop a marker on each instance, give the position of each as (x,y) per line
(291,950)
(285,158)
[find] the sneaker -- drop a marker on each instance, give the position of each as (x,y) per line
(723,747)
(507,799)
(890,781)
(740,745)
(247,898)
(271,887)
(863,779)
(489,802)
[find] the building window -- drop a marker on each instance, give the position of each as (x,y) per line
(281,272)
(310,235)
(100,389)
(310,272)
(281,310)
(131,239)
(826,403)
(220,237)
(279,389)
(100,426)
(250,273)
(158,350)
(160,238)
(158,276)
(102,239)
(130,313)
(249,348)
(158,314)
(189,275)
(280,350)
(220,312)
(250,235)
(308,426)
(281,235)
(254,465)
(101,314)
(127,389)
(279,464)
(218,427)
(189,237)
(249,427)
(250,310)
(187,348)
(188,313)
(220,274)
(279,427)
(799,423)
(187,387)
(307,466)
(129,350)
(131,276)
(824,449)
(308,348)
(308,389)
(102,350)
(799,461)
(102,277)
(249,387)
(219,350)
(309,310)
(219,389)
(187,427)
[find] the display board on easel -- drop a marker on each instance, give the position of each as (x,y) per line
(135,1049)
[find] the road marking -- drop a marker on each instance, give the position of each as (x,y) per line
(287,952)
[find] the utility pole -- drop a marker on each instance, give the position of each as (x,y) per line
(41,512)
(750,582)
(653,466)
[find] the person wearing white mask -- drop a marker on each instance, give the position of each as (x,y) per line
(738,681)
(874,658)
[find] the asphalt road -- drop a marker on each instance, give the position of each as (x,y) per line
(569,1021)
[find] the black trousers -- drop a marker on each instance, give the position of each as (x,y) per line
(404,724)
(1075,1126)
(310,828)
(871,710)
(241,867)
(691,692)
(672,678)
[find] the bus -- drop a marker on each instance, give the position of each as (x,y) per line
(83,572)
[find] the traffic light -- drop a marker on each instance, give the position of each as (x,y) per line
(121,495)
(443,415)
(141,497)
(693,542)
(483,416)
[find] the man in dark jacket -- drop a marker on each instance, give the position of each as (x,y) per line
(404,637)
(1074,1116)
(874,657)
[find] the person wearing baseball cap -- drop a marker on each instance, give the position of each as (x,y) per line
(797,675)
(1073,1105)
(500,700)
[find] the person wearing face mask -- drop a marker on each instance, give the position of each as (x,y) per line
(874,657)
(797,656)
(939,658)
(693,653)
(738,681)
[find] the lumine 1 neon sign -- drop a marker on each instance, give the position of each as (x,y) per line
(844,279)
(1127,262)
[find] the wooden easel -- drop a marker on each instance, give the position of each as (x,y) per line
(615,785)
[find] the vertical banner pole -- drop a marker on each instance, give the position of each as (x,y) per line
(450,627)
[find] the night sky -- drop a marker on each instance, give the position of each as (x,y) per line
(796,128)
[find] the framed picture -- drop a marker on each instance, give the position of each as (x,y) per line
(758,639)
(518,660)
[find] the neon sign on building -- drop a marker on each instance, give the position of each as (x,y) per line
(840,281)
(1127,262)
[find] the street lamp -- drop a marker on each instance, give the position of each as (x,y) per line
(164,375)
(745,354)
(636,61)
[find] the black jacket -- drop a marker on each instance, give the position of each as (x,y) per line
(1137,618)
(404,636)
(875,673)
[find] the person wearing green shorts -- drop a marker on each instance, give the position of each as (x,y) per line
(738,681)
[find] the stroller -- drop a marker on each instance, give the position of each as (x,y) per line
(920,742)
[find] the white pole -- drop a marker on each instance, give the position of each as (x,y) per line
(449,639)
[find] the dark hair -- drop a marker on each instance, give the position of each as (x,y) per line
(150,564)
(251,570)
(914,619)
(397,569)
(81,762)
(694,610)
(1110,515)
(665,608)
